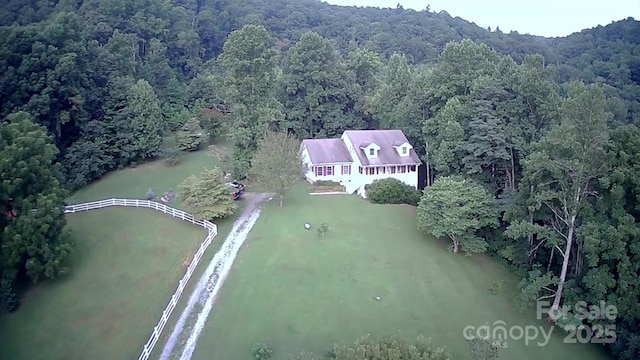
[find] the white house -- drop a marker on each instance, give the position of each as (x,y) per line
(359,157)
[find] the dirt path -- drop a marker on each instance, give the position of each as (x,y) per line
(184,336)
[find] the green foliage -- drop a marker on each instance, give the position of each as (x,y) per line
(496,285)
(32,225)
(484,349)
(327,183)
(107,81)
(146,121)
(562,171)
(277,164)
(261,351)
(190,136)
(392,191)
(323,229)
(172,156)
(390,348)
(457,208)
(304,356)
(249,64)
(8,297)
(314,90)
(207,196)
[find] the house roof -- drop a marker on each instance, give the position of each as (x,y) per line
(386,139)
(327,151)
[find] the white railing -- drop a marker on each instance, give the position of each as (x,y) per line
(212,231)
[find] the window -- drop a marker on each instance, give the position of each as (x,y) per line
(413,168)
(329,170)
(402,169)
(372,151)
(404,150)
(371,171)
(319,171)
(392,170)
(346,169)
(360,169)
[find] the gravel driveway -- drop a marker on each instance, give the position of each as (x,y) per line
(184,336)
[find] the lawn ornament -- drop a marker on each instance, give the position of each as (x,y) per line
(378,298)
(168,196)
(307,226)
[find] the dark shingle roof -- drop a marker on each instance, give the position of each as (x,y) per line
(386,139)
(327,151)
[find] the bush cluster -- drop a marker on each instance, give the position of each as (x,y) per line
(392,191)
(261,351)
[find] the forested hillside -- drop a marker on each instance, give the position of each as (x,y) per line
(547,126)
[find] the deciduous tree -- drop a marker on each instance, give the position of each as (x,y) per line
(207,196)
(277,164)
(146,120)
(191,135)
(562,172)
(250,67)
(456,207)
(315,90)
(32,224)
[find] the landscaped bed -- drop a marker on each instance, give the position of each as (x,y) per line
(293,291)
(126,265)
(325,187)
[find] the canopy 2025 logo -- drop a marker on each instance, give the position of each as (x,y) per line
(599,329)
(582,323)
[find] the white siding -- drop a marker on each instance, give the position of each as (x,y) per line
(355,182)
(306,160)
(336,176)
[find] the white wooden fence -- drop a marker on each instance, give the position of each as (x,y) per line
(212,231)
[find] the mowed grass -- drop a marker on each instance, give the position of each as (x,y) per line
(133,182)
(125,266)
(295,292)
(127,263)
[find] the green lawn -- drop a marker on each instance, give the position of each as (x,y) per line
(126,265)
(295,292)
(134,182)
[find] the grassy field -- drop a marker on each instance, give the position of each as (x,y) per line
(292,290)
(134,182)
(126,265)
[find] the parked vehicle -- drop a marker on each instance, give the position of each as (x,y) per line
(238,189)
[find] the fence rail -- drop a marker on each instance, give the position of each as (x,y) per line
(212,231)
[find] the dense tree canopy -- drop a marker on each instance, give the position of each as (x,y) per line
(32,235)
(94,85)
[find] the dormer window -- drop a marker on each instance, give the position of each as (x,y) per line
(370,149)
(404,150)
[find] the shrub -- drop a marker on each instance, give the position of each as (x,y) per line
(485,348)
(261,351)
(394,348)
(304,356)
(8,297)
(327,183)
(392,191)
(495,286)
(172,156)
(322,230)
